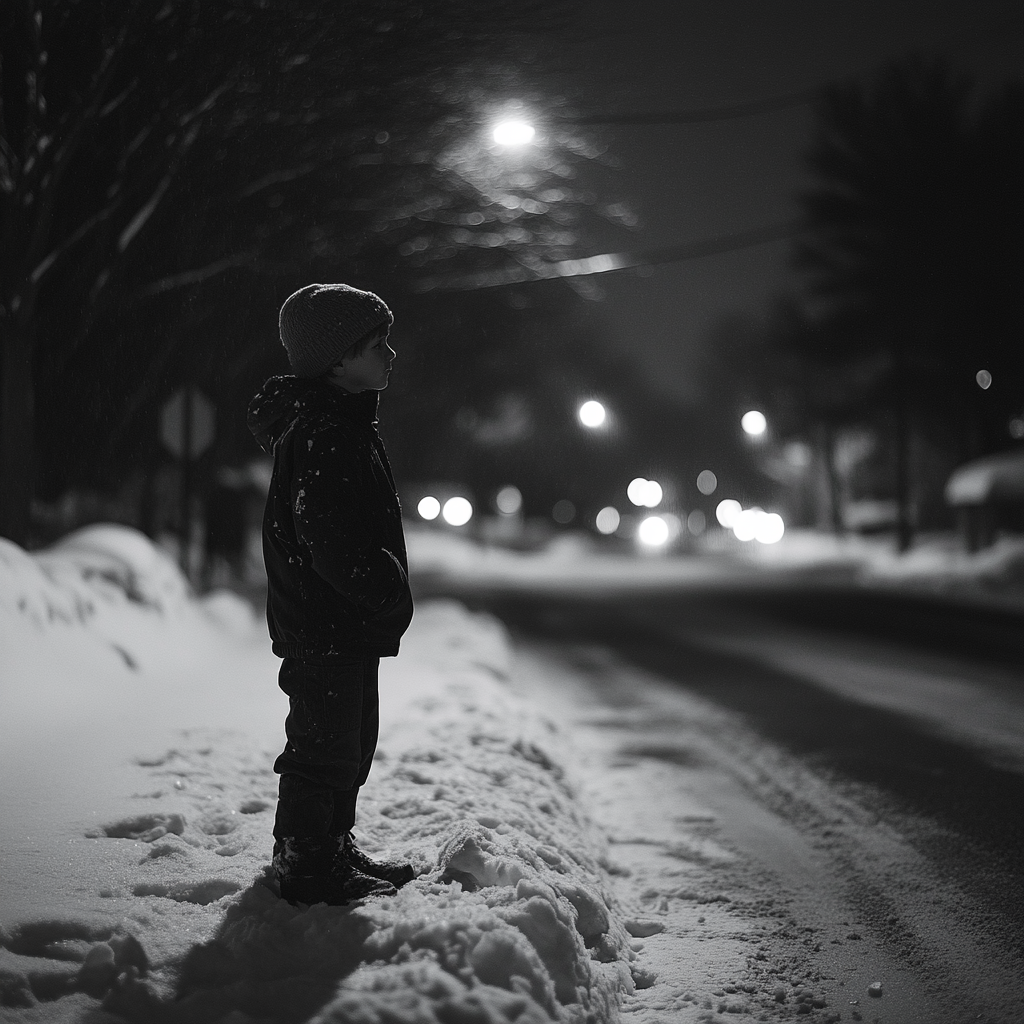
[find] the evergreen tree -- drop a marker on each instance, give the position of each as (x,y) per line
(912,249)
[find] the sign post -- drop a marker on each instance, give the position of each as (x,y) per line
(187,426)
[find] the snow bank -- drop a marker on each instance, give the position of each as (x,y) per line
(107,588)
(936,564)
(165,908)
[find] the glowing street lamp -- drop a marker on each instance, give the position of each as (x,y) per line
(592,414)
(754,423)
(429,507)
(457,511)
(645,493)
(653,532)
(727,512)
(514,133)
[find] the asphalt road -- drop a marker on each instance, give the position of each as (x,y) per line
(961,809)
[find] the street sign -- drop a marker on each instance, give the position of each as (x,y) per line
(187,423)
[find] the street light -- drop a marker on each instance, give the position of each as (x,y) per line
(653,532)
(513,133)
(643,492)
(727,512)
(457,511)
(592,414)
(754,423)
(429,507)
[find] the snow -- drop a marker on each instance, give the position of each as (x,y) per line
(139,733)
(992,478)
(574,863)
(937,564)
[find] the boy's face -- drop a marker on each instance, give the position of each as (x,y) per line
(367,371)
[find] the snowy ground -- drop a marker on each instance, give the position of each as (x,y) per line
(139,730)
(937,564)
(567,873)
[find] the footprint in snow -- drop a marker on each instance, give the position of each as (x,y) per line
(146,828)
(74,956)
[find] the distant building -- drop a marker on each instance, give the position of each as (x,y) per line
(988,495)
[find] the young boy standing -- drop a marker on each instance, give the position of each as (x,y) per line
(338,598)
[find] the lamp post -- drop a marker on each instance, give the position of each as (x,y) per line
(754,423)
(513,132)
(592,414)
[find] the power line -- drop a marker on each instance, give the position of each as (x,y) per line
(609,262)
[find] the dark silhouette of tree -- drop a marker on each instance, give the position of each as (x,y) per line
(912,235)
(150,152)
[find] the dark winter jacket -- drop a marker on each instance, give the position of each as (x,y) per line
(332,530)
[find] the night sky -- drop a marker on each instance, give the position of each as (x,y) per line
(689,182)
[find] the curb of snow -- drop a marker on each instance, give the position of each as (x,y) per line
(509,919)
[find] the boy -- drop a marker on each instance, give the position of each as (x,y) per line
(338,597)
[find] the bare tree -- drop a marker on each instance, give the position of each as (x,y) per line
(146,150)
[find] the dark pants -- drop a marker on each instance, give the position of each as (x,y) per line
(332,726)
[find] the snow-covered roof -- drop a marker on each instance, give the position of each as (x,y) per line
(992,478)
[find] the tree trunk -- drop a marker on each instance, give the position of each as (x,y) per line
(835,498)
(904,526)
(17,411)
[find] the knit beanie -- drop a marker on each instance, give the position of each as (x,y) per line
(321,322)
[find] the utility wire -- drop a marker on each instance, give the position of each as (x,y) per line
(608,262)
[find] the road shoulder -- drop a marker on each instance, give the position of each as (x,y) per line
(754,888)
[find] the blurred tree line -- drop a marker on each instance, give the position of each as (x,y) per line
(170,172)
(905,335)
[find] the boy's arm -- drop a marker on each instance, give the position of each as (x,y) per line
(332,508)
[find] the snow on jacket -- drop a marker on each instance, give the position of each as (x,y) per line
(332,530)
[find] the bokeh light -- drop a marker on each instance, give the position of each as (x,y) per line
(513,133)
(645,493)
(696,522)
(607,520)
(769,528)
(727,511)
(707,482)
(744,526)
(592,414)
(429,507)
(754,423)
(1016,428)
(674,524)
(749,524)
(636,490)
(653,532)
(564,512)
(509,500)
(984,379)
(457,511)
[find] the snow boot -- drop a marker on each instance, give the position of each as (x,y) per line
(394,871)
(308,872)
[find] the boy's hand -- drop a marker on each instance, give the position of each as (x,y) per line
(395,614)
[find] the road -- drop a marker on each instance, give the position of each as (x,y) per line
(864,751)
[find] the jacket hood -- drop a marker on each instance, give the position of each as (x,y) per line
(283,399)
